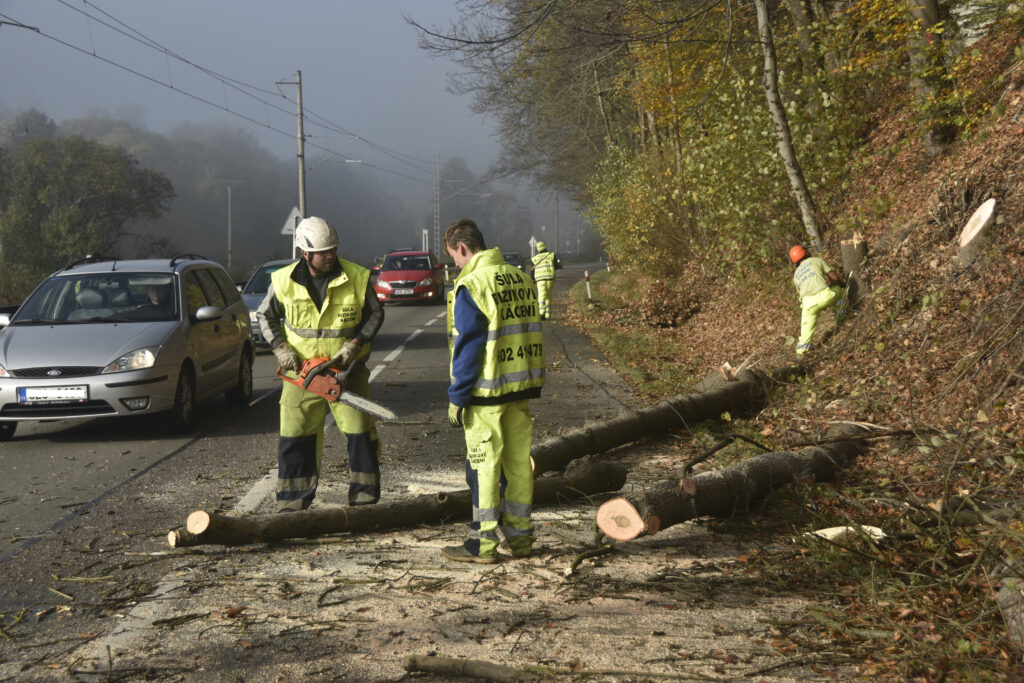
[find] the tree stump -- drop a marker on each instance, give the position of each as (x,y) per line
(973,237)
(723,493)
(854,253)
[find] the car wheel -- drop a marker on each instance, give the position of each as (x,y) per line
(240,394)
(181,417)
(7,430)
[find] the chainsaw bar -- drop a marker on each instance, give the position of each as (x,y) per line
(366,405)
(330,384)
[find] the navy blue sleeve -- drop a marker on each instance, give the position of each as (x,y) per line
(468,350)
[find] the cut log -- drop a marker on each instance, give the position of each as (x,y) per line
(583,477)
(972,237)
(714,396)
(854,253)
(723,493)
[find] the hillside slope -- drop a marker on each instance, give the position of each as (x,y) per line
(936,349)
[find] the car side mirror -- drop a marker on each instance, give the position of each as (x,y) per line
(437,266)
(206,313)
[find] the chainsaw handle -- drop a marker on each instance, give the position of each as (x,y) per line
(313,372)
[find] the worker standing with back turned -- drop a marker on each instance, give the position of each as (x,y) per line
(497,365)
(818,287)
(544,275)
(322,306)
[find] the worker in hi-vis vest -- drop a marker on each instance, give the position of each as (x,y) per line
(322,306)
(818,287)
(497,365)
(544,263)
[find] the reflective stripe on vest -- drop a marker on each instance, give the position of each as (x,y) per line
(514,351)
(544,266)
(322,332)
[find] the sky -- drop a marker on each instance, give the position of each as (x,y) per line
(369,93)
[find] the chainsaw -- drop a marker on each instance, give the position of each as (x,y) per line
(327,381)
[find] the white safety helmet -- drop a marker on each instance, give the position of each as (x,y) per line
(315,234)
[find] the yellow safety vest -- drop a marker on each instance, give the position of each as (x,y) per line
(322,332)
(809,277)
(544,266)
(514,352)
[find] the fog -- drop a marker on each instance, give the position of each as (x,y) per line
(206,93)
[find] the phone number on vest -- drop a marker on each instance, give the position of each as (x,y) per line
(527,351)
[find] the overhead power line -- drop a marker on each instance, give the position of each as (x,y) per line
(236,85)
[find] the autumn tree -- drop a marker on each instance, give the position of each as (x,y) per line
(65,198)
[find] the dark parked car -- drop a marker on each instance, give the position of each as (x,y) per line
(514,258)
(254,291)
(104,337)
(409,276)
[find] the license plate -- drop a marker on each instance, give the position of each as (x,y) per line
(403,292)
(53,394)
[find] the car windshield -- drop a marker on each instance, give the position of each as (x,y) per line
(512,257)
(259,283)
(407,263)
(110,297)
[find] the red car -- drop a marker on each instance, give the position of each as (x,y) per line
(409,276)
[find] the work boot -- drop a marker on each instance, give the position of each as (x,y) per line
(459,553)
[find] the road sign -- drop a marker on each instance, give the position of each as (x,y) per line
(293,219)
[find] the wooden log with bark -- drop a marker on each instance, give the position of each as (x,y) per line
(582,477)
(713,396)
(722,493)
(972,238)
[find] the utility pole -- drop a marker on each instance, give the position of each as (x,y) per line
(229,227)
(302,143)
(437,206)
(302,148)
(555,250)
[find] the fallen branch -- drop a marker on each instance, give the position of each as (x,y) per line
(581,478)
(722,493)
(713,397)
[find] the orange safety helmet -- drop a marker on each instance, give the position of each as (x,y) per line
(797,253)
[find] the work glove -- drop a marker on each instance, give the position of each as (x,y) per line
(455,415)
(287,357)
(347,354)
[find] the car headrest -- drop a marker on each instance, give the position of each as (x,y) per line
(119,298)
(88,297)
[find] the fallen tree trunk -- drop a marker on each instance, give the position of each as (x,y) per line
(714,396)
(583,477)
(722,493)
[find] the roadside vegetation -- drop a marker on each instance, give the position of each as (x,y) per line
(904,118)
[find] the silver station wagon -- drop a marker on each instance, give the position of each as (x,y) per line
(105,337)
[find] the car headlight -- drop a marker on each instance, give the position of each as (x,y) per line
(426,282)
(383,284)
(136,360)
(252,318)
(3,372)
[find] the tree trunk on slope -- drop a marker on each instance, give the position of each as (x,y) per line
(722,493)
(931,80)
(583,477)
(770,81)
(713,397)
(854,253)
